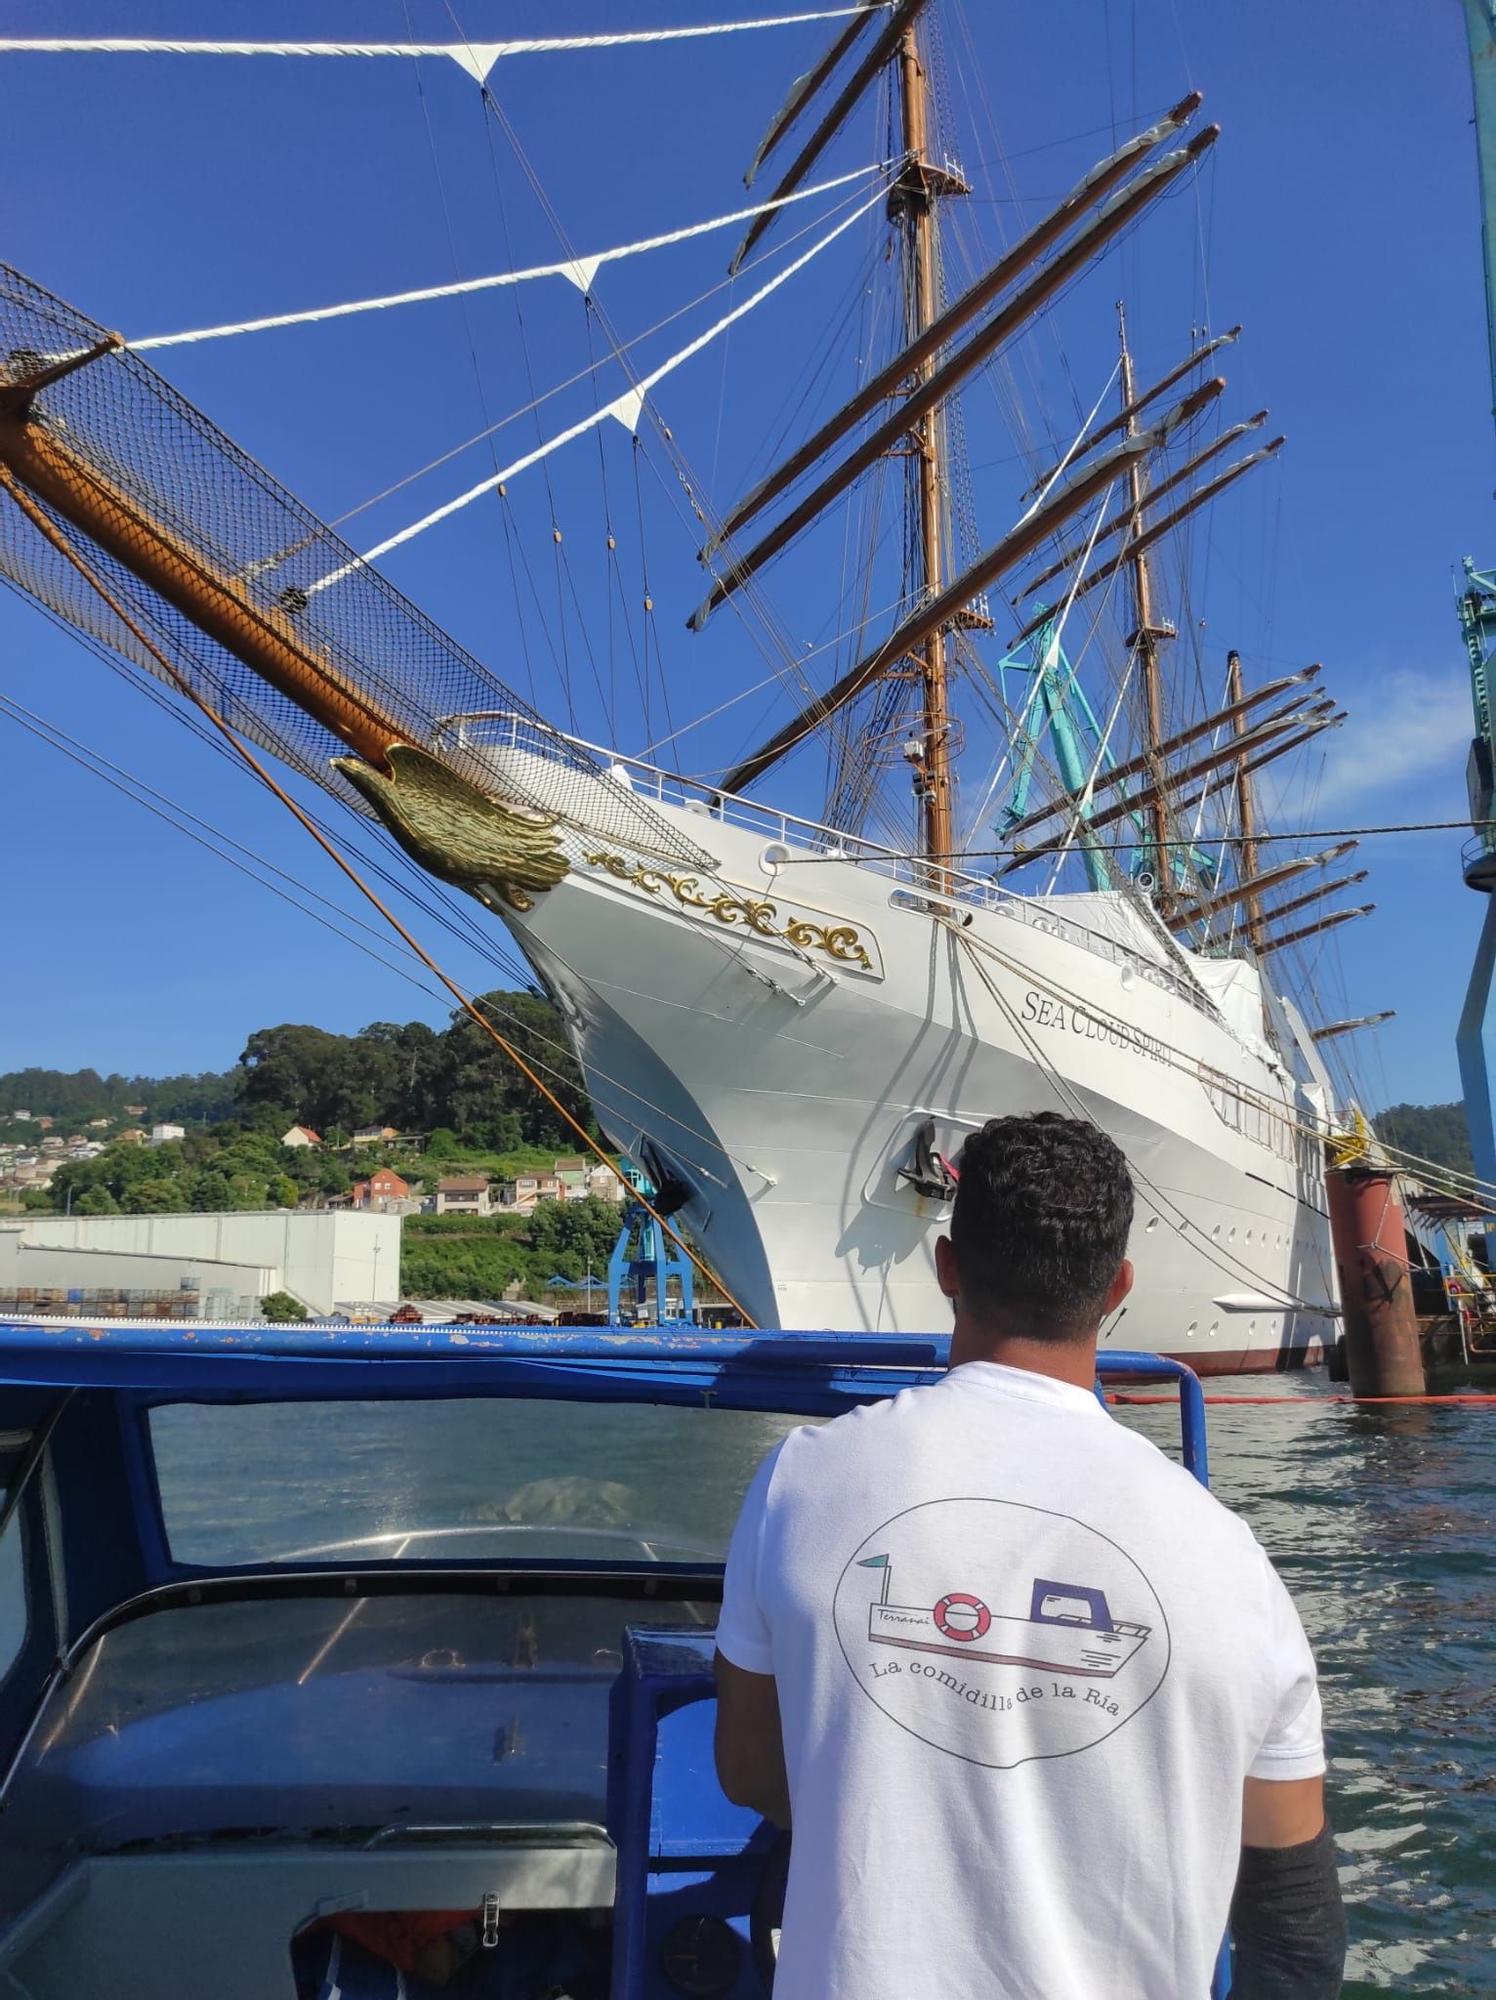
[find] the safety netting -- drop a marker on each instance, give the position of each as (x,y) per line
(124,429)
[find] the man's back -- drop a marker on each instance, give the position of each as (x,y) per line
(1024,1665)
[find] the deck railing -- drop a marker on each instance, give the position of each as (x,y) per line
(502,729)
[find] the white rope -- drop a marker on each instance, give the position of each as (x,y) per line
(477,58)
(580,271)
(1075,444)
(625,408)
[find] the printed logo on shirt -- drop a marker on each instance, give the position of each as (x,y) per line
(999,1632)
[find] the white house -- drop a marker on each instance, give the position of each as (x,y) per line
(464,1194)
(162,1135)
(301,1135)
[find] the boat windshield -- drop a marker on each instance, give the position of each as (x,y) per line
(326,1720)
(479,1479)
(416,1703)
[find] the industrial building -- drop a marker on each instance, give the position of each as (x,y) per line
(216,1266)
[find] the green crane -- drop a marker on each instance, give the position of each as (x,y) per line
(1476,593)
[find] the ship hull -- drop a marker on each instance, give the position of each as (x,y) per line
(782,1066)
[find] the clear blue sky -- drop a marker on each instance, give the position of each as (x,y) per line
(1339,221)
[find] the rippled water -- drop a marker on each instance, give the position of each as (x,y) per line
(1382,1521)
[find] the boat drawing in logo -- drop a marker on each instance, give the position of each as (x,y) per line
(1069,1628)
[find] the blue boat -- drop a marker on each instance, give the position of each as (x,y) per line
(470,1756)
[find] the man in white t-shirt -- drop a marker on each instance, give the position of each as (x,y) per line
(1043,1712)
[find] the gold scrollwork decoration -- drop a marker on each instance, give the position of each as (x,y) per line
(841,942)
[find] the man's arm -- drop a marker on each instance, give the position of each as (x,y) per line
(1287,1918)
(750,1743)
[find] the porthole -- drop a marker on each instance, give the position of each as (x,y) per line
(1152,1225)
(1215,1327)
(1190,1330)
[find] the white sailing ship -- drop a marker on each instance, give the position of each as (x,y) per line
(790,1025)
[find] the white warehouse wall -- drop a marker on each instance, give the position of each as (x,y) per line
(319,1255)
(226,1290)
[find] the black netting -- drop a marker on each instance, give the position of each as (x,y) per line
(133,432)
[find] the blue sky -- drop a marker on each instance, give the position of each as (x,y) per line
(1338,219)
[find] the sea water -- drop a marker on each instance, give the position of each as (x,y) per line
(1381,1519)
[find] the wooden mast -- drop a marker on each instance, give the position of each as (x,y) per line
(38,456)
(914,195)
(1246,810)
(1146,635)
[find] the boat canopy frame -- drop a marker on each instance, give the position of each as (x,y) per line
(76,1398)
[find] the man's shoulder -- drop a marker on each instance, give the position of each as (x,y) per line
(813,1452)
(1166,1500)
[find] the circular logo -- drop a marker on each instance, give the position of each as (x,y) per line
(999,1632)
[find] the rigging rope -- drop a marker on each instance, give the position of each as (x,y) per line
(44,525)
(428,895)
(580,271)
(1214,840)
(476,58)
(624,408)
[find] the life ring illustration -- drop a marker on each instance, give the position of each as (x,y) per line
(962,1617)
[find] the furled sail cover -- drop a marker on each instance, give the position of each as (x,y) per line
(125,428)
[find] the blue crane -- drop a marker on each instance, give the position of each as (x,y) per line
(1476,594)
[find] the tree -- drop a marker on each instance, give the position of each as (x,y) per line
(485,1095)
(451,1083)
(154,1197)
(575,1235)
(292,1065)
(96,1201)
(1436,1132)
(280,1306)
(82,1094)
(210,1193)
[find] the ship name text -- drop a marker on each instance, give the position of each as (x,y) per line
(1061,1017)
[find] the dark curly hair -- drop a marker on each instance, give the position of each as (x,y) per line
(1040,1224)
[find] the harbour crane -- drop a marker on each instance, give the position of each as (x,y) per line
(1476,598)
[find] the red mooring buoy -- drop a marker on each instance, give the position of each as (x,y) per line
(1376,1288)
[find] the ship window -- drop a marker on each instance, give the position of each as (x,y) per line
(478,1479)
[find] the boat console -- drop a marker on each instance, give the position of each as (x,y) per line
(472,1755)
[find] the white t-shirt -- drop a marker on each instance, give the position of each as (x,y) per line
(1024,1663)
